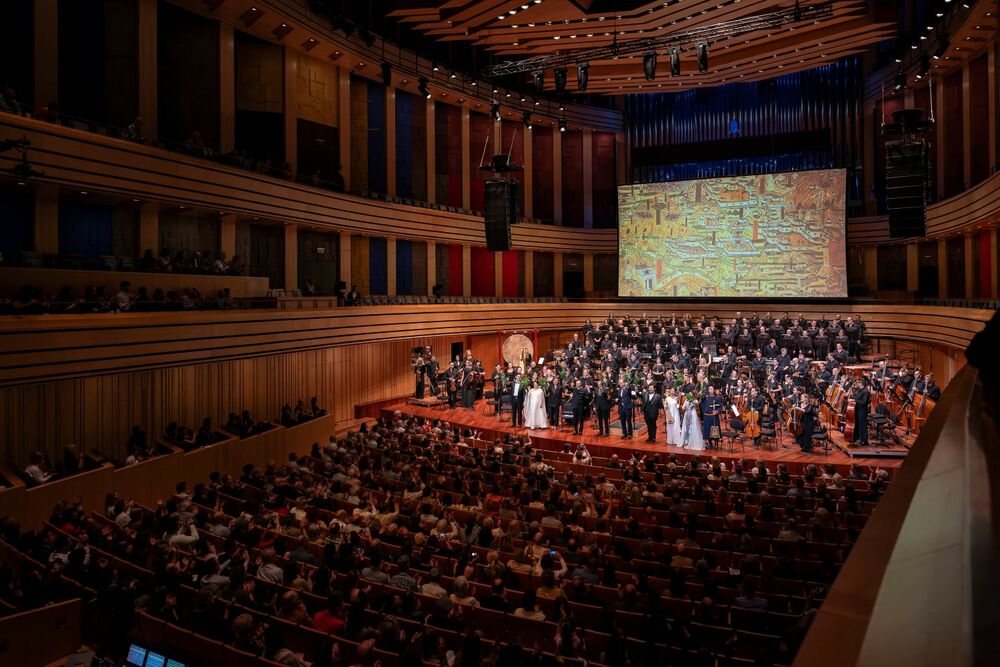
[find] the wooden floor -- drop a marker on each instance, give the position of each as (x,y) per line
(784,451)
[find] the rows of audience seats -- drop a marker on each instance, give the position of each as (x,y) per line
(413,542)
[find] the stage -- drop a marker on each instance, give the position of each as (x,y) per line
(784,450)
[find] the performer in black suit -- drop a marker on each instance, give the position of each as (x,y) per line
(468,385)
(432,375)
(862,397)
(553,402)
(625,408)
(652,406)
(517,394)
(809,413)
(576,400)
(602,405)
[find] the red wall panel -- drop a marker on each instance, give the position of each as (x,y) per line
(541,173)
(483,276)
(572,179)
(512,273)
(479,135)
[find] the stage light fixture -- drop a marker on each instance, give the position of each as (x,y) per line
(422,88)
(675,61)
(538,78)
(536,101)
(495,110)
(582,72)
(899,82)
(562,124)
(387,73)
(703,57)
(649,65)
(452,74)
(942,47)
(560,77)
(526,119)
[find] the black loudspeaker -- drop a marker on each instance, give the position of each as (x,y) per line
(499,212)
(906,188)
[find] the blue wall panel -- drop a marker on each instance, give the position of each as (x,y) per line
(376,137)
(377,266)
(85,229)
(404,144)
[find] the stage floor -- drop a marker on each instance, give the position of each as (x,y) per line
(785,450)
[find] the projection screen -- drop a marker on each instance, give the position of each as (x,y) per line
(763,236)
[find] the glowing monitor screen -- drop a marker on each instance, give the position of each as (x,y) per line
(770,235)
(136,655)
(154,660)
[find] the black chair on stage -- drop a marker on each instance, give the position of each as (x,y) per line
(821,439)
(491,402)
(878,426)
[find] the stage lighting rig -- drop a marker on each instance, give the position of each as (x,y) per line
(703,57)
(526,119)
(582,74)
(560,77)
(649,65)
(675,61)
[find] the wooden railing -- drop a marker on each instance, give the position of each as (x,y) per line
(919,587)
(41,636)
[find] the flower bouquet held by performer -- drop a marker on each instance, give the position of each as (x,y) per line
(691,433)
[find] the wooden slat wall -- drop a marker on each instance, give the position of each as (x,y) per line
(150,369)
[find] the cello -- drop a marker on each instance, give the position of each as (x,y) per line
(794,423)
(751,421)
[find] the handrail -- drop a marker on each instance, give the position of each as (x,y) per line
(911,572)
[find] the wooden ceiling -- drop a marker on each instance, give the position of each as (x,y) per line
(512,29)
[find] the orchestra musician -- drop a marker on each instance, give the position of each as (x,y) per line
(625,408)
(419,375)
(432,375)
(577,396)
(602,406)
(553,401)
(809,411)
(862,396)
(452,381)
(467,380)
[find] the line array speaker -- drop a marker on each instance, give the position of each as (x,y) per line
(500,211)
(906,188)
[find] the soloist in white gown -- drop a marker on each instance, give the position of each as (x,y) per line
(673,429)
(535,415)
(691,435)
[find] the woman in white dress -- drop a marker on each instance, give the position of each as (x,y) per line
(534,408)
(673,419)
(691,435)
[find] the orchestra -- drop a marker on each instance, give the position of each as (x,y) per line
(755,376)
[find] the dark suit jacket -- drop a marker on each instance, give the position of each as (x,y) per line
(652,407)
(576,398)
(624,399)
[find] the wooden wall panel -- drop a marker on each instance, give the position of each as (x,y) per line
(99,412)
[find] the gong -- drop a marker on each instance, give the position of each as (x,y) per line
(517,347)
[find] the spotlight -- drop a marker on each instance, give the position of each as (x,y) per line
(942,46)
(451,74)
(422,88)
(387,73)
(538,78)
(675,61)
(560,77)
(526,119)
(434,66)
(649,65)
(582,71)
(535,99)
(899,83)
(523,98)
(495,109)
(495,89)
(562,124)
(703,57)
(925,67)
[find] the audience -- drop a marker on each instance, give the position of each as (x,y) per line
(395,537)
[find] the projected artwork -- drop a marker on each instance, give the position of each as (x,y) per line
(771,235)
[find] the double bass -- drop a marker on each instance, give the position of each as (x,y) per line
(849,419)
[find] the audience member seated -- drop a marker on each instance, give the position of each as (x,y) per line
(414,539)
(245,426)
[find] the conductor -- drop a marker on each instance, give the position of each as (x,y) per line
(652,406)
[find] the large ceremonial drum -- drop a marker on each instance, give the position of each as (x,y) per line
(516,348)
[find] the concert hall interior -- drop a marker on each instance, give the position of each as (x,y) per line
(471,333)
